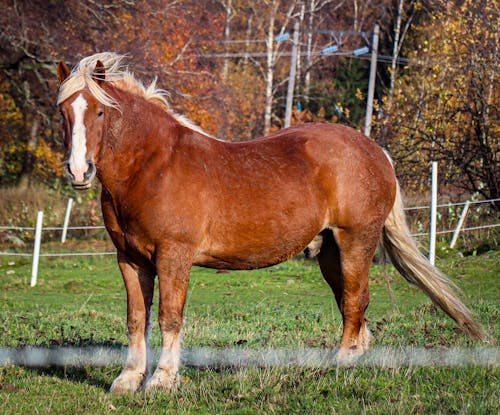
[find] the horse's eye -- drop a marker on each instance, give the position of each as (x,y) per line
(100,114)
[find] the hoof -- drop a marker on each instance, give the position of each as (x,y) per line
(365,337)
(163,379)
(128,382)
(348,356)
(353,348)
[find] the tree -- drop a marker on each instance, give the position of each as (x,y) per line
(36,34)
(443,107)
(311,17)
(274,21)
(31,38)
(347,24)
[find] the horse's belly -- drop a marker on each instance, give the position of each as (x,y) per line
(263,219)
(242,261)
(255,249)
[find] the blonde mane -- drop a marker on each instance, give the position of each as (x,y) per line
(82,76)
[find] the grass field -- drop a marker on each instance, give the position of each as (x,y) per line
(81,302)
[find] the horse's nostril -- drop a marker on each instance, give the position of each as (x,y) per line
(80,179)
(90,173)
(68,172)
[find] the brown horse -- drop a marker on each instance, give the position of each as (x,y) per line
(173,197)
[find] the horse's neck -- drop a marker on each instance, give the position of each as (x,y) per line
(128,144)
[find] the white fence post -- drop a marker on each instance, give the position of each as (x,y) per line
(36,249)
(66,220)
(432,246)
(460,224)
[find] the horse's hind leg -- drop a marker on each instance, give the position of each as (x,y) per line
(329,263)
(345,263)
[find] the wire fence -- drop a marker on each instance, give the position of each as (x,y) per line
(442,205)
(102,227)
(51,228)
(471,228)
(237,357)
(38,229)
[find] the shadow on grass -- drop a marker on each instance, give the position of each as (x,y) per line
(92,363)
(92,376)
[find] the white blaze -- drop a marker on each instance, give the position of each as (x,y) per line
(77,160)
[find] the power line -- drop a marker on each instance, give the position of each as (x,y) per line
(229,55)
(242,41)
(360,53)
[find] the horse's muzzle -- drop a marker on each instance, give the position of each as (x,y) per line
(88,176)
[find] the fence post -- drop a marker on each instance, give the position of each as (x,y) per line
(460,224)
(432,245)
(66,220)
(36,249)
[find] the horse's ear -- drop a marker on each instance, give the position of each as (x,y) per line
(62,72)
(99,72)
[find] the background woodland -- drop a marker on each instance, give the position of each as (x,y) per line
(436,95)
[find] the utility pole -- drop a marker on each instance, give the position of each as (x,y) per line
(291,79)
(371,82)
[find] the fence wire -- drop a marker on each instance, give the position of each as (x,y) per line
(237,357)
(102,227)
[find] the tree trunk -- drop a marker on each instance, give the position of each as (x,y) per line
(29,164)
(309,47)
(271,59)
(395,50)
(227,34)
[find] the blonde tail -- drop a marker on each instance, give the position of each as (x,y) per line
(416,269)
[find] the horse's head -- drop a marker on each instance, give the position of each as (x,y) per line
(83,127)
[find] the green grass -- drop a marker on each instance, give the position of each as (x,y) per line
(81,302)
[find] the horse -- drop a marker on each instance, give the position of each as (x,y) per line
(173,197)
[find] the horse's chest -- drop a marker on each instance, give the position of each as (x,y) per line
(136,243)
(129,236)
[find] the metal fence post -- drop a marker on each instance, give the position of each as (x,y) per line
(432,246)
(66,220)
(460,224)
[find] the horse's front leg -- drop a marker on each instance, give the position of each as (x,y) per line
(173,278)
(139,283)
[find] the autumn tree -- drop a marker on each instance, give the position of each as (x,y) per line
(36,34)
(33,35)
(221,65)
(444,106)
